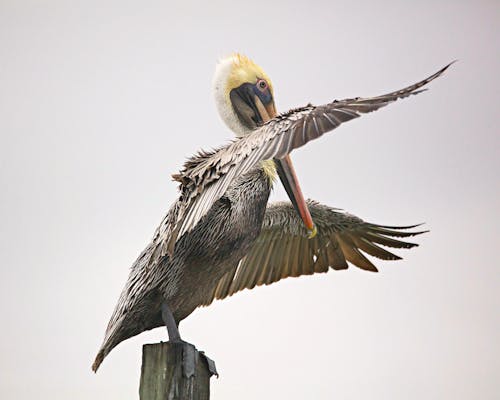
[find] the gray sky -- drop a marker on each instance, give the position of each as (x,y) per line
(100,101)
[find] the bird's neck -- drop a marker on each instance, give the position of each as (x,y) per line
(269,168)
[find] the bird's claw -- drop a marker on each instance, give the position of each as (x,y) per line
(211,365)
(189,359)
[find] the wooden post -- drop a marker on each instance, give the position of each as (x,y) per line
(175,371)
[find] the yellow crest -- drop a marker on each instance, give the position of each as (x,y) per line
(243,71)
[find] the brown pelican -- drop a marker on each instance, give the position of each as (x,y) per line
(219,237)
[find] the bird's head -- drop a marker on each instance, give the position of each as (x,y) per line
(243,94)
(245,100)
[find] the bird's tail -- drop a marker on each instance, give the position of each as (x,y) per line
(136,310)
(113,337)
(98,360)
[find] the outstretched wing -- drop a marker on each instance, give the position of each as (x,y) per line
(205,179)
(283,249)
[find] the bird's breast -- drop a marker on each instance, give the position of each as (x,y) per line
(234,221)
(221,238)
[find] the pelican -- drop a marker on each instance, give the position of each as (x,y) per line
(221,236)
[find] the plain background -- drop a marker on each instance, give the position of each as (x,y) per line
(100,101)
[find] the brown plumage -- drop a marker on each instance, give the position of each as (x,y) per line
(220,236)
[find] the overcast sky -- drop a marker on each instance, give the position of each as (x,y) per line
(100,101)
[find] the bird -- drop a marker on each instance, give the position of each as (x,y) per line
(221,236)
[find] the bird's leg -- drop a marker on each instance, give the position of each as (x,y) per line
(188,350)
(169,320)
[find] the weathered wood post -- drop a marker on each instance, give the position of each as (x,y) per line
(175,371)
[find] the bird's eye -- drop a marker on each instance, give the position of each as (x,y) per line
(262,85)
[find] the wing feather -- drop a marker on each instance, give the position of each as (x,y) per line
(335,256)
(283,250)
(353,255)
(204,181)
(371,248)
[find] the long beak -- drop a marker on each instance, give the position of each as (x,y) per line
(266,112)
(252,111)
(249,108)
(289,180)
